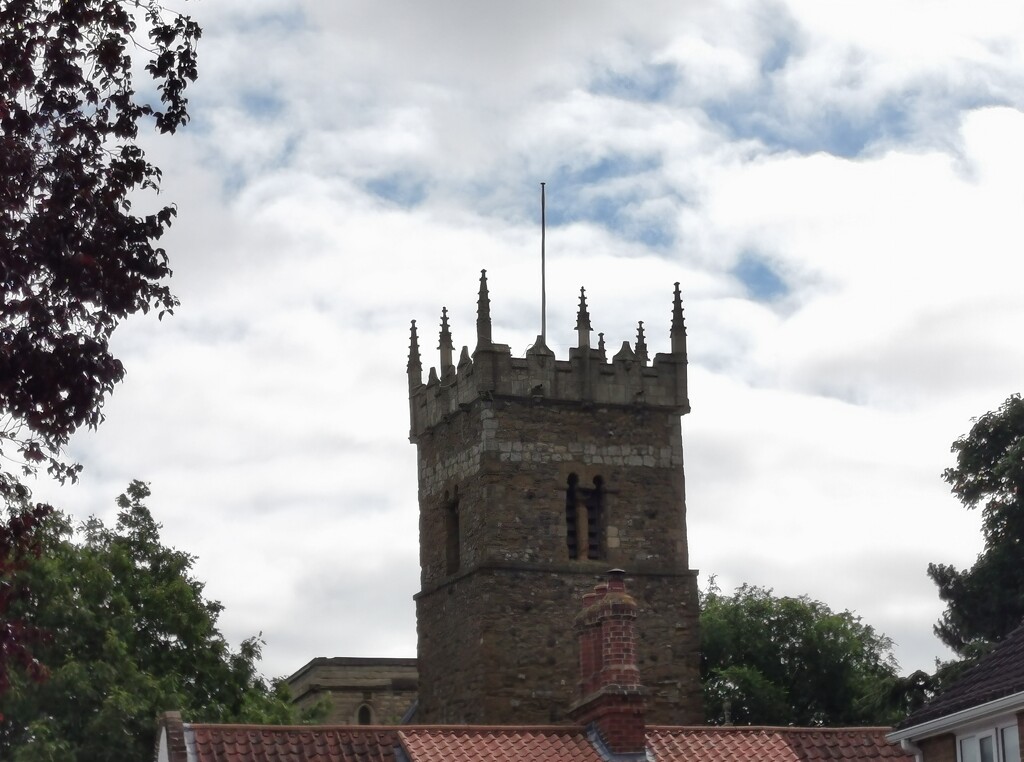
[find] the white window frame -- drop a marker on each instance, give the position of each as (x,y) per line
(992,729)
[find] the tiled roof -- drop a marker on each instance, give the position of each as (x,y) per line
(766,744)
(269,743)
(999,673)
(499,744)
(563,743)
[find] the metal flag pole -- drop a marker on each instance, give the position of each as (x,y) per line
(543,284)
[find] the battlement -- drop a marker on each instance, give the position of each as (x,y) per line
(586,377)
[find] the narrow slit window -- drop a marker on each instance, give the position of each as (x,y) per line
(453,538)
(584,519)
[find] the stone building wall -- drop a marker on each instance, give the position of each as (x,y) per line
(387,687)
(497,646)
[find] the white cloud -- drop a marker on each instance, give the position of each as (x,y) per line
(270,413)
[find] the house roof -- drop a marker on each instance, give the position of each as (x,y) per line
(999,674)
(770,744)
(498,744)
(195,742)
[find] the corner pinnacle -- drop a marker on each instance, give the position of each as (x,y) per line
(445,344)
(641,343)
(415,367)
(483,314)
(678,331)
(583,326)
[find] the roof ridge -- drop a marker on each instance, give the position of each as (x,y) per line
(775,728)
(495,728)
(261,726)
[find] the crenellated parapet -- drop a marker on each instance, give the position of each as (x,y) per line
(588,376)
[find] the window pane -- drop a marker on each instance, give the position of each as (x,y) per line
(1011,744)
(969,749)
(986,749)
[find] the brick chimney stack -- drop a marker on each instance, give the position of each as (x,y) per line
(611,698)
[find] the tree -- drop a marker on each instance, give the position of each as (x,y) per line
(74,258)
(19,543)
(132,636)
(768,660)
(984,603)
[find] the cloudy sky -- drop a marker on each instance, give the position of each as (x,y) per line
(837,186)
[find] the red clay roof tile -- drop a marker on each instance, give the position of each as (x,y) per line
(767,744)
(269,743)
(265,743)
(498,744)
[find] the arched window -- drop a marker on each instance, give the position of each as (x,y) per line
(584,528)
(365,715)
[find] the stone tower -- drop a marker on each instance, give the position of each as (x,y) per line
(536,475)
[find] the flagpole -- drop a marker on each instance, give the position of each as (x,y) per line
(543,284)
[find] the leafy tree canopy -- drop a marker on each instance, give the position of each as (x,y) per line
(984,603)
(75,259)
(768,660)
(131,635)
(19,543)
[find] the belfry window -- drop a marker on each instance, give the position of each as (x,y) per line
(584,519)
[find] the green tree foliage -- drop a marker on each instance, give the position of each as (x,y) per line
(131,635)
(984,603)
(792,661)
(19,543)
(75,259)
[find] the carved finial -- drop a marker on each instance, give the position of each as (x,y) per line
(415,367)
(583,327)
(483,314)
(641,343)
(464,357)
(600,343)
(678,332)
(445,344)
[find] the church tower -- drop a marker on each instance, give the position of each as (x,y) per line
(537,475)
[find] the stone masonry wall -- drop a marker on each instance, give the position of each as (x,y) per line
(512,490)
(497,646)
(495,638)
(387,686)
